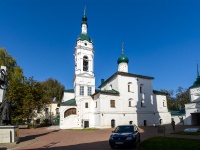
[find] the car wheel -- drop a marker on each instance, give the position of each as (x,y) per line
(139,139)
(112,146)
(133,146)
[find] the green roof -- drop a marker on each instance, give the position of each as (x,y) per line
(71,102)
(122,58)
(125,74)
(111,92)
(159,92)
(70,90)
(83,37)
(177,112)
(196,83)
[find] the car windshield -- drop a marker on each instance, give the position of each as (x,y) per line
(124,129)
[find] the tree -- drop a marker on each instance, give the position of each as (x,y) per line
(170,99)
(8,61)
(53,88)
(182,97)
(28,93)
(177,101)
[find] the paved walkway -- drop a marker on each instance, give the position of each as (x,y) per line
(55,139)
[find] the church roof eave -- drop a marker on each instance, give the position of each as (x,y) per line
(109,92)
(69,91)
(125,74)
(159,92)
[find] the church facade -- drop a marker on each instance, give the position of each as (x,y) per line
(192,109)
(123,98)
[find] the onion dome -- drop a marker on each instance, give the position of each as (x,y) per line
(123,58)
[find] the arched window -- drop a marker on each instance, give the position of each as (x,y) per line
(130,86)
(86,105)
(85,63)
(71,111)
(141,88)
(129,103)
(164,103)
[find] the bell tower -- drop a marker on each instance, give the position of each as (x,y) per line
(84,80)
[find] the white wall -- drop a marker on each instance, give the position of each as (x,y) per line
(67,96)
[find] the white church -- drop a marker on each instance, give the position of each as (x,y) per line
(123,98)
(192,109)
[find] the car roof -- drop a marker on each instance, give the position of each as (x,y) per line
(130,125)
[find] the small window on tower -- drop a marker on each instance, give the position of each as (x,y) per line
(85,63)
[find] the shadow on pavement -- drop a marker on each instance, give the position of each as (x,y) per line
(102,145)
(31,137)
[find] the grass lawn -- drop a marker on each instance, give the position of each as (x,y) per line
(186,133)
(167,143)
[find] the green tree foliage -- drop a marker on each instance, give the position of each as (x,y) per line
(53,88)
(15,90)
(170,99)
(182,97)
(27,93)
(8,61)
(178,100)
(33,98)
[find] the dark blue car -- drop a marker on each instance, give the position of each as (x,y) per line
(125,135)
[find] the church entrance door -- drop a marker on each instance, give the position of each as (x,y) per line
(86,124)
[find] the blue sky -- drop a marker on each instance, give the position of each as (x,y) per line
(161,37)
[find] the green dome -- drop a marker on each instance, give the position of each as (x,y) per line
(83,37)
(196,83)
(123,58)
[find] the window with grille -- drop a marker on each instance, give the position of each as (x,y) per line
(112,103)
(81,90)
(89,91)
